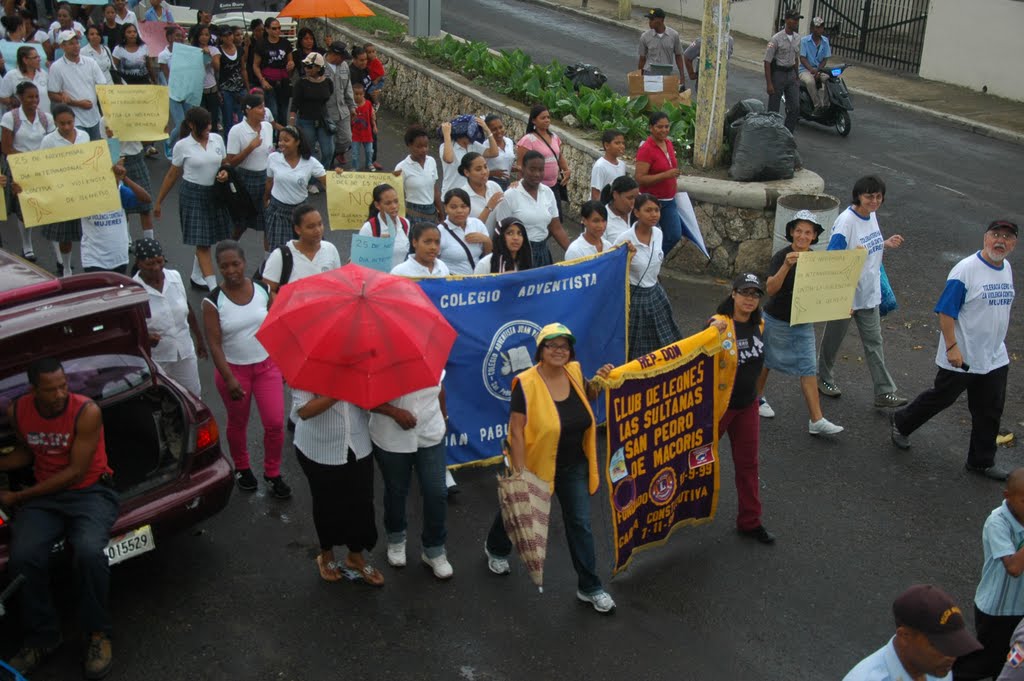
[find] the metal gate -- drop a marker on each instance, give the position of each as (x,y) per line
(886,33)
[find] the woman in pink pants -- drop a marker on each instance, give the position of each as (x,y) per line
(232,313)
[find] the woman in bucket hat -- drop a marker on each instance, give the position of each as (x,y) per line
(789,348)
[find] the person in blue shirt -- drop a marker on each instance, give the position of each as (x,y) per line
(814,52)
(930,636)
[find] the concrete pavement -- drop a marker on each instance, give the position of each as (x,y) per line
(981,113)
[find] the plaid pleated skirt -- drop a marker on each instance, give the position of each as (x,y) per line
(650,320)
(255,182)
(135,165)
(70,230)
(541,253)
(278,220)
(204,221)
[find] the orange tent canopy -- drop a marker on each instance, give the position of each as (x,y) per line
(312,9)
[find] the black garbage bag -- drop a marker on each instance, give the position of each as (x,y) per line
(764,149)
(738,111)
(585,75)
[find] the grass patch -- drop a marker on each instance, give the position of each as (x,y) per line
(393,30)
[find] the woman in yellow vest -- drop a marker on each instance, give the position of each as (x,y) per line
(552,434)
(740,325)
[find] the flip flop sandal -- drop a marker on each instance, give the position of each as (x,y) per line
(329,571)
(368,574)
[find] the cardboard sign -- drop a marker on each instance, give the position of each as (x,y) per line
(65,183)
(136,113)
(824,285)
(349,196)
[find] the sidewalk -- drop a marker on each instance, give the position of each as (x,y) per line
(981,113)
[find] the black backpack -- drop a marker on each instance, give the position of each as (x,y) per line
(286,266)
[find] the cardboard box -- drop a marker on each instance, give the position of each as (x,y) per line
(655,101)
(639,84)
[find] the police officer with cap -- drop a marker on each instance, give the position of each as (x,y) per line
(341,106)
(660,44)
(781,60)
(930,635)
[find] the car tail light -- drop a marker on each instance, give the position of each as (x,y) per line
(206,435)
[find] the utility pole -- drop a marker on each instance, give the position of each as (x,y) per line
(625,9)
(714,60)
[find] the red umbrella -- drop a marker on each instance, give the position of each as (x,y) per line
(357,335)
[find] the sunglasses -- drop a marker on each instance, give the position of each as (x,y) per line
(750,293)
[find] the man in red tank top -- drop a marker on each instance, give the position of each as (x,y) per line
(60,434)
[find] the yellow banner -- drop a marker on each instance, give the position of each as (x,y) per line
(136,113)
(65,183)
(825,284)
(3,206)
(349,196)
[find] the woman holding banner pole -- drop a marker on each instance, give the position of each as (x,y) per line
(738,320)
(551,433)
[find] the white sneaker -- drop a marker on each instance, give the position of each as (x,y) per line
(396,554)
(823,427)
(601,601)
(313,189)
(440,565)
(496,564)
(765,409)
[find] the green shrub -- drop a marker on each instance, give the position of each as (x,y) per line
(515,75)
(394,30)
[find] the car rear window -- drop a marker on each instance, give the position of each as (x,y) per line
(99,377)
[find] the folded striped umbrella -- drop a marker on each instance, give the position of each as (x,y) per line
(525,502)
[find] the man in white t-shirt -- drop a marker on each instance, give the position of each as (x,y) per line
(73,80)
(105,236)
(857,227)
(309,253)
(974,314)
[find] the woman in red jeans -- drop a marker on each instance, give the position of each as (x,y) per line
(742,355)
(232,313)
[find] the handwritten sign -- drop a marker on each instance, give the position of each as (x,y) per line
(136,113)
(187,72)
(663,412)
(824,285)
(3,206)
(152,33)
(9,51)
(65,183)
(373,252)
(349,196)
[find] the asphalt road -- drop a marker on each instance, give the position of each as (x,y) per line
(239,596)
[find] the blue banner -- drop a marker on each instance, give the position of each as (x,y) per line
(498,317)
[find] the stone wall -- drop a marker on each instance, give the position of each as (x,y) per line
(736,219)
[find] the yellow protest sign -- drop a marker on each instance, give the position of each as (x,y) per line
(136,113)
(825,284)
(3,206)
(64,183)
(349,196)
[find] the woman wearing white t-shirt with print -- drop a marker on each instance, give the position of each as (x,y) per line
(310,254)
(464,239)
(132,58)
(651,325)
(98,52)
(250,143)
(418,172)
(484,195)
(426,246)
(591,241)
(23,130)
(385,221)
(289,171)
(857,227)
(196,161)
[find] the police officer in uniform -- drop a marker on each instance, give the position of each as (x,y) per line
(780,69)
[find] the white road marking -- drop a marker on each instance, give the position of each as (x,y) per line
(950,189)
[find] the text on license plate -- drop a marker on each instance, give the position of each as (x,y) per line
(130,544)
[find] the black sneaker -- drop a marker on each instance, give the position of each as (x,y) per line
(246,480)
(760,533)
(279,489)
(898,438)
(29,658)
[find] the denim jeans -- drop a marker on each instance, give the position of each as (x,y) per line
(93,132)
(362,155)
(84,517)
(178,111)
(671,225)
(319,136)
(277,98)
(230,109)
(396,470)
(574,498)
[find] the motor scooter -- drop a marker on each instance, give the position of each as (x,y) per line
(840,104)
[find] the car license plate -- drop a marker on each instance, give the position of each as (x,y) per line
(130,544)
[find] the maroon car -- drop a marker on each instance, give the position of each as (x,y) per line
(162,441)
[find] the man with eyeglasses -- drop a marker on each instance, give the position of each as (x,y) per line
(974,314)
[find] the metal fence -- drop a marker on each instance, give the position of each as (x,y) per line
(886,33)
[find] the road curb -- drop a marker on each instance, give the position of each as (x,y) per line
(966,123)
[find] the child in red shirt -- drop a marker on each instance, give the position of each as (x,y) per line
(364,128)
(375,69)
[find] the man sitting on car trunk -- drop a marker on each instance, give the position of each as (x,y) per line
(60,434)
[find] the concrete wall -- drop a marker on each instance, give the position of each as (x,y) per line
(753,17)
(736,219)
(958,33)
